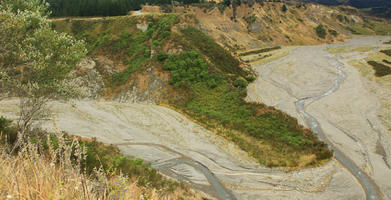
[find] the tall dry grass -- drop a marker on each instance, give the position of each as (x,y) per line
(54,174)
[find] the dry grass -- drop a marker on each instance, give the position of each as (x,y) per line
(55,175)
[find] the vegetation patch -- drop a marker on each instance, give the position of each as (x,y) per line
(221,103)
(221,59)
(387,61)
(380,69)
(121,38)
(257,51)
(321,31)
(387,52)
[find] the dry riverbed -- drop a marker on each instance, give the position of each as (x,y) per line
(184,150)
(348,116)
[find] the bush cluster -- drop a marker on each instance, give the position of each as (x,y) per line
(321,31)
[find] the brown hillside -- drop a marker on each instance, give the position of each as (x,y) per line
(268,25)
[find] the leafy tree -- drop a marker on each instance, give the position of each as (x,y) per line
(35,60)
(321,31)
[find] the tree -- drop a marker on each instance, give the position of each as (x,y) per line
(35,60)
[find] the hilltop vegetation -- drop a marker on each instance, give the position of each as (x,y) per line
(205,82)
(103,7)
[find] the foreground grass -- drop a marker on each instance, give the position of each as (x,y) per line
(56,166)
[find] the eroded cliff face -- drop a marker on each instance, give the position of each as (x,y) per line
(267,25)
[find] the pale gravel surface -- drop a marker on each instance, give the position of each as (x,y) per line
(162,136)
(348,116)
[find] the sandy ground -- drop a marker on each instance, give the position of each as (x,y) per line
(165,137)
(348,117)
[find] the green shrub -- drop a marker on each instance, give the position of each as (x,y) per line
(257,51)
(240,82)
(321,31)
(284,8)
(380,69)
(387,52)
(333,32)
(187,69)
(250,79)
(162,56)
(250,19)
(387,61)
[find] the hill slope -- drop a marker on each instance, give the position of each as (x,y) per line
(267,25)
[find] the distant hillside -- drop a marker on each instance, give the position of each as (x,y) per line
(380,8)
(266,24)
(355,3)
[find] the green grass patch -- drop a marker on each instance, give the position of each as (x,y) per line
(380,69)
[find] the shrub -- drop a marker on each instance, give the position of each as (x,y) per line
(250,79)
(387,52)
(240,82)
(162,56)
(187,68)
(284,8)
(333,32)
(380,69)
(320,31)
